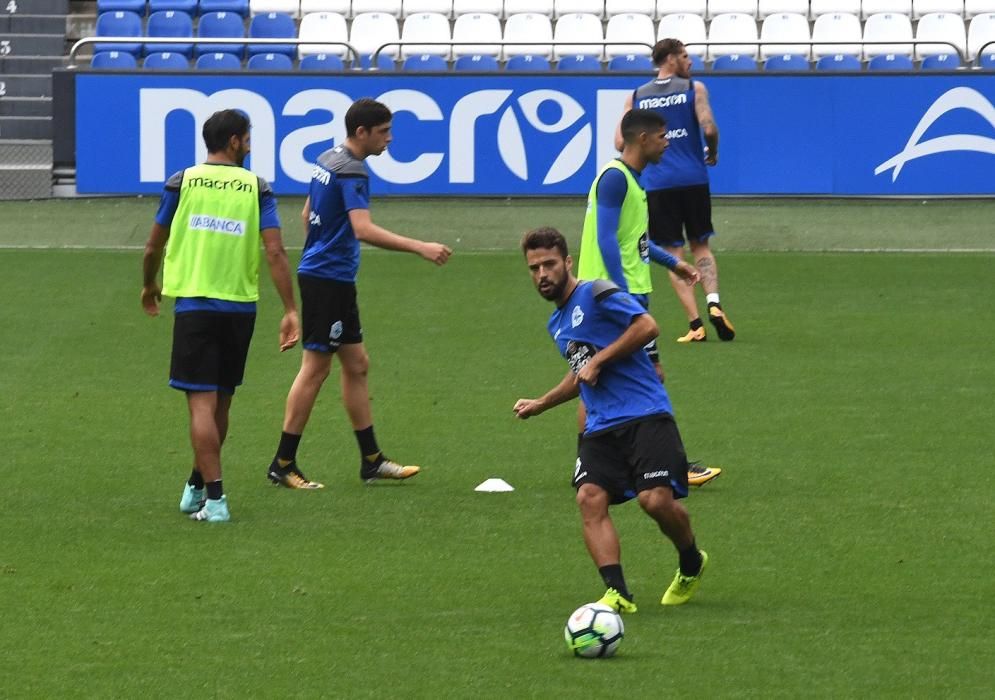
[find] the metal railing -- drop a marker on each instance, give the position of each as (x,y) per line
(204,40)
(87,41)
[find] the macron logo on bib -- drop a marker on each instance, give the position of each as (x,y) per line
(200,222)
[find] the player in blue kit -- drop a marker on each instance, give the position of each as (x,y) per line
(631,442)
(677,191)
(337,218)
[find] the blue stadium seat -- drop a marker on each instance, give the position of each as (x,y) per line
(169,23)
(119,24)
(424,63)
(946,61)
(166,60)
(890,62)
(697,63)
(788,62)
(188,6)
(220,25)
(987,61)
(273,25)
(579,64)
(218,61)
(136,6)
(734,63)
(476,62)
(322,62)
(113,60)
(270,61)
(518,64)
(239,7)
(641,64)
(384,62)
(838,62)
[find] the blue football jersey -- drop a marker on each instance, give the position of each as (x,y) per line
(339,183)
(594,317)
(683,164)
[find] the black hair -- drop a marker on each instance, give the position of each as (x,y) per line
(366,112)
(666,48)
(221,126)
(638,121)
(544,237)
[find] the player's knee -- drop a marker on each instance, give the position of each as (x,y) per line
(656,501)
(358,364)
(592,500)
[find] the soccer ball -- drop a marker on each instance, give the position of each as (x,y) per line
(594,631)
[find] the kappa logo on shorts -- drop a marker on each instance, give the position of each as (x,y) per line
(578,474)
(336,331)
(576,316)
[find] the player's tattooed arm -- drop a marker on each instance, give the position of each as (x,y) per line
(561,393)
(706,120)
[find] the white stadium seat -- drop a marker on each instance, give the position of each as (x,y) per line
(528,27)
(341,7)
(832,7)
(941,26)
(477,27)
(632,27)
(972,8)
(686,28)
(413,7)
(478,7)
(388,7)
(370,30)
(887,26)
(925,7)
(624,7)
(680,7)
(877,7)
(578,27)
(785,26)
(839,26)
(518,7)
(425,26)
(725,7)
(735,27)
(979,33)
(287,7)
(584,7)
(766,8)
(323,26)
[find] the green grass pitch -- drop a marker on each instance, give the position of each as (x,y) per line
(850,535)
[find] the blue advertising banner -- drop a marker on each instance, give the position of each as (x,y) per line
(546,134)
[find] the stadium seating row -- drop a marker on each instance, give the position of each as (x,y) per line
(529,34)
(119,60)
(605,9)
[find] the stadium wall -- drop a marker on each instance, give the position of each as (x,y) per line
(543,134)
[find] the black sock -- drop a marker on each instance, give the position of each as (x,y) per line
(215,490)
(367,444)
(690,560)
(613,578)
(696,324)
(287,451)
(716,304)
(196,480)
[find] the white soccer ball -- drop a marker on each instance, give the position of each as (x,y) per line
(594,631)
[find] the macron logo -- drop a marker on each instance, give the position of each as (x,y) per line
(199,222)
(958,98)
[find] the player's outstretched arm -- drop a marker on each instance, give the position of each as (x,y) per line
(619,141)
(641,331)
(151,262)
(561,393)
(369,232)
(688,273)
(279,270)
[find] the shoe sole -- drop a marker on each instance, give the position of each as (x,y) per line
(698,484)
(725,330)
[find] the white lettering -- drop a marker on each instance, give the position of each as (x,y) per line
(462,123)
(157,104)
(679,98)
(292,148)
(321,175)
(202,222)
(425,165)
(677,134)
